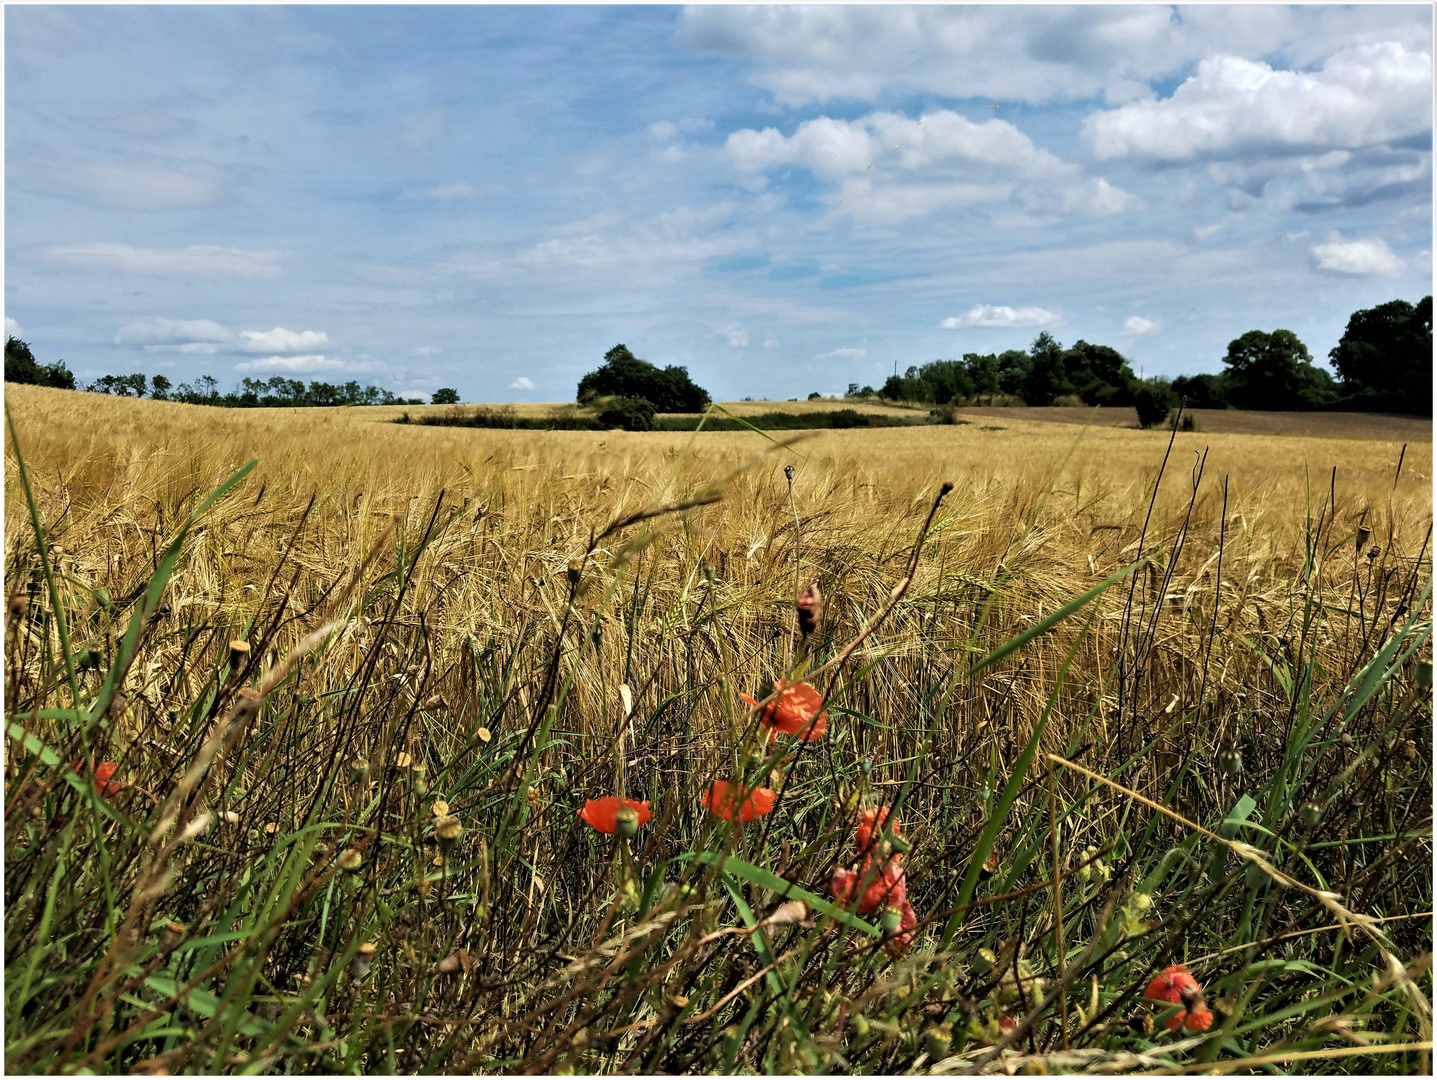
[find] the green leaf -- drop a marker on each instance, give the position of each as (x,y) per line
(771,881)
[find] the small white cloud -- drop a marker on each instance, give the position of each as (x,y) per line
(200,260)
(425,350)
(154,186)
(770,342)
(844,354)
(1136,324)
(460,189)
(11,326)
(523,382)
(737,337)
(1357,258)
(281,340)
(299,365)
(999,315)
(159,331)
(1097,198)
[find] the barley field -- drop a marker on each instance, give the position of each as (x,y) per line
(295,774)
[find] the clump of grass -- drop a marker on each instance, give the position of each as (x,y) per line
(354,846)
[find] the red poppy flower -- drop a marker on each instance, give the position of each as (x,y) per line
(104,784)
(797,710)
(889,887)
(1175,986)
(600,813)
(720,800)
(870,829)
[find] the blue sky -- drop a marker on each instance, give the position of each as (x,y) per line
(784,199)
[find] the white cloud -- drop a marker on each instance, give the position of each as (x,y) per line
(1097,198)
(843,354)
(815,53)
(200,260)
(523,382)
(1357,258)
(11,326)
(1136,324)
(1363,95)
(833,149)
(160,331)
(426,350)
(460,189)
(737,337)
(301,365)
(998,315)
(127,186)
(770,342)
(281,340)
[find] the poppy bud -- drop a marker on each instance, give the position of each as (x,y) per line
(626,821)
(447,831)
(810,609)
(892,919)
(937,1038)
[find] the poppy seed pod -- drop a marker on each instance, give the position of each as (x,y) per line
(350,860)
(1230,762)
(937,1038)
(239,652)
(363,960)
(626,821)
(810,609)
(359,772)
(171,934)
(447,831)
(1363,535)
(1311,813)
(892,919)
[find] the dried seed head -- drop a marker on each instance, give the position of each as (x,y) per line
(1373,552)
(404,760)
(239,652)
(363,960)
(359,772)
(788,473)
(576,569)
(171,934)
(454,963)
(447,831)
(1409,749)
(436,702)
(1363,535)
(19,606)
(810,609)
(440,808)
(350,860)
(484,734)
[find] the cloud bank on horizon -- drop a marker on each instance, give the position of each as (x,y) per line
(784,199)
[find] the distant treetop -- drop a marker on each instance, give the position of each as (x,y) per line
(668,390)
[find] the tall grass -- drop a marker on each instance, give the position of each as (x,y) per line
(1129,713)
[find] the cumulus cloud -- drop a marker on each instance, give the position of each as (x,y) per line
(300,365)
(999,315)
(1363,95)
(523,382)
(11,326)
(281,340)
(832,149)
(812,53)
(1357,258)
(737,337)
(161,331)
(199,260)
(844,354)
(1097,198)
(1136,324)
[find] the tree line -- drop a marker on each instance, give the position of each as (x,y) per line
(274,392)
(1383,364)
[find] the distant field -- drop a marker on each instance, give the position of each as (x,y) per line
(737,408)
(1333,425)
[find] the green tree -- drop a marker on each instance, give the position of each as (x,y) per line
(629,413)
(1153,398)
(1203,391)
(1384,358)
(160,388)
(1098,374)
(1047,378)
(624,375)
(1014,367)
(22,367)
(1274,371)
(445,395)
